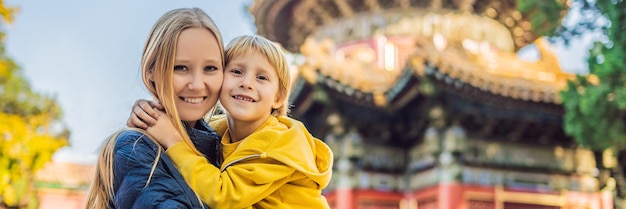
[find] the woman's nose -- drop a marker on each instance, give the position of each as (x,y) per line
(195,83)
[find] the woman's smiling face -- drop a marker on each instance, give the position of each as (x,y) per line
(198,73)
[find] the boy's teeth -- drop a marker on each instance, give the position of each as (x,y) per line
(194,100)
(244,99)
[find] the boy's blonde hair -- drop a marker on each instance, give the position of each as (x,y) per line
(158,60)
(274,54)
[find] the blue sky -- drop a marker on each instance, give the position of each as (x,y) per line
(87,55)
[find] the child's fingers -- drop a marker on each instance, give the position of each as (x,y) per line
(148,108)
(156,104)
(145,113)
(134,122)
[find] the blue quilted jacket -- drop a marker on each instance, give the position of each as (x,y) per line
(133,160)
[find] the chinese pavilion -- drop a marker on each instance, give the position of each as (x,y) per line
(426,104)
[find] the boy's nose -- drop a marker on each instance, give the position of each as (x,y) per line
(246,82)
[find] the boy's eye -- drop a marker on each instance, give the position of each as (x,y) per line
(180,67)
(236,71)
(210,68)
(262,77)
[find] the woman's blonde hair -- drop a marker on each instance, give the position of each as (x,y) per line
(157,61)
(274,54)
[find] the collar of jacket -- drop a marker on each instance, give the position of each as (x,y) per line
(206,141)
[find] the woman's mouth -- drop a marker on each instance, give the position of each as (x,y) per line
(193,100)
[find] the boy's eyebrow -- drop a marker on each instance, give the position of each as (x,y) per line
(266,71)
(240,63)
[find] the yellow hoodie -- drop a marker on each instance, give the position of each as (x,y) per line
(280,165)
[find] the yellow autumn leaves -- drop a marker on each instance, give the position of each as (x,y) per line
(26,144)
(6,13)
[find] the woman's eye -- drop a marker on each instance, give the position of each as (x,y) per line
(180,67)
(210,68)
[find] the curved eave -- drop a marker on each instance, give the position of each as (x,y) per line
(273,18)
(494,92)
(471,100)
(512,78)
(487,113)
(397,96)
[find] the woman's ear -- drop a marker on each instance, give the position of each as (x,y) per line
(150,75)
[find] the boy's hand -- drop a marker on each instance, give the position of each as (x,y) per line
(144,114)
(164,131)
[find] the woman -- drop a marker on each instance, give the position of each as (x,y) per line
(182,67)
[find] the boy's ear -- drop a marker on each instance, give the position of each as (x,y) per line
(278,102)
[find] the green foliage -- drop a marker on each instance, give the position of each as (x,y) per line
(30,131)
(595,105)
(16,96)
(544,15)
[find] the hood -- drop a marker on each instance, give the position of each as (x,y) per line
(288,141)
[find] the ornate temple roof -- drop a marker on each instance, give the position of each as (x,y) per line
(467,63)
(290,22)
(469,42)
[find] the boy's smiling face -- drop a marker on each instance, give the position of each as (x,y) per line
(249,91)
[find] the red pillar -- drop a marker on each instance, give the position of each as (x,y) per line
(345,198)
(450,195)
